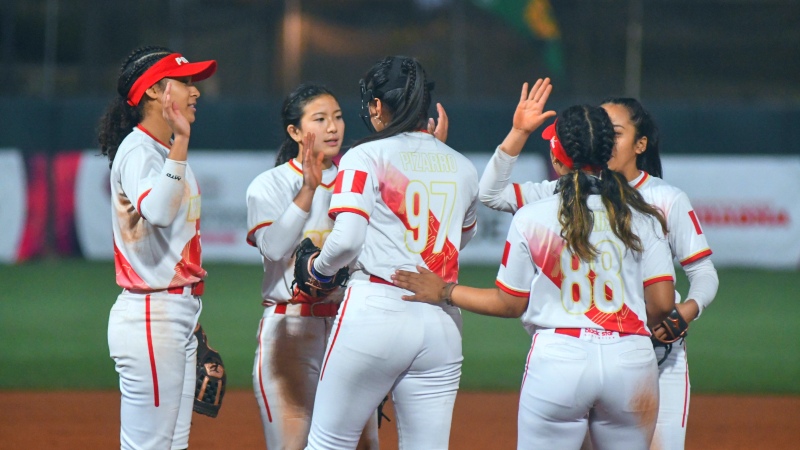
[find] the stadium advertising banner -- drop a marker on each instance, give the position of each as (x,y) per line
(747,206)
(13,208)
(745,226)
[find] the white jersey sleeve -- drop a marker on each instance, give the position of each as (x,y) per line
(497,193)
(517,267)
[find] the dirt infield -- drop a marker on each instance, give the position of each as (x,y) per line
(90,420)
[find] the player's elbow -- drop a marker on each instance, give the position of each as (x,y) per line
(489,198)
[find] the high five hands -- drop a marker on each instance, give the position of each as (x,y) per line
(530,113)
(172,114)
(439,129)
(312,162)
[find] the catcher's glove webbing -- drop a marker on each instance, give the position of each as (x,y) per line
(211,377)
(675,327)
(310,283)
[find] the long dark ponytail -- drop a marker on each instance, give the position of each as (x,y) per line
(120,117)
(401,84)
(292,111)
(587,135)
(650,159)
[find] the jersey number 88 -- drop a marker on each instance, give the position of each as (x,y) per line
(584,282)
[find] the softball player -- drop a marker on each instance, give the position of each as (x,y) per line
(155,216)
(402,198)
(285,205)
(636,156)
(573,268)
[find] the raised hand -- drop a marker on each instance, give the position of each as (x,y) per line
(172,114)
(439,129)
(426,285)
(530,113)
(312,163)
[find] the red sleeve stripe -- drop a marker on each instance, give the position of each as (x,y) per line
(506,251)
(518,193)
(139,202)
(511,291)
(697,256)
(350,181)
(336,211)
(251,235)
(658,279)
(696,223)
(469,227)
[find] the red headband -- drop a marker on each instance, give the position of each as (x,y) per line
(549,133)
(171,66)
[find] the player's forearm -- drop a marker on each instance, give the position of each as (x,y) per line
(304,198)
(161,205)
(179,150)
(703,282)
(277,241)
(495,180)
(514,141)
(343,244)
(488,302)
(659,301)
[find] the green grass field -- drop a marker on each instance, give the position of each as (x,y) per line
(54,314)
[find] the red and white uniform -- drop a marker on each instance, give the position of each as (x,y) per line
(688,246)
(291,341)
(591,361)
(155,216)
(399,202)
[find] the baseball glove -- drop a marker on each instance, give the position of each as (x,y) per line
(674,326)
(211,378)
(306,281)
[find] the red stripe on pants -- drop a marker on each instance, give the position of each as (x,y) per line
(150,349)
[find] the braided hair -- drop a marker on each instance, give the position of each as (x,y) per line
(401,84)
(587,135)
(650,159)
(120,117)
(292,112)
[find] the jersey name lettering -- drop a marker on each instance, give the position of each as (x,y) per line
(428,162)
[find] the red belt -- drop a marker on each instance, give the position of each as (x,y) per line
(197,289)
(379,280)
(309,309)
(576,332)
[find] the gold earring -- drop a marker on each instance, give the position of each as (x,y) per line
(378,118)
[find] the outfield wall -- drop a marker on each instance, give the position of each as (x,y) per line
(748,222)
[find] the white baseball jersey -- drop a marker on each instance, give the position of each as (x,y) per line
(418,196)
(149,257)
(268,197)
(564,292)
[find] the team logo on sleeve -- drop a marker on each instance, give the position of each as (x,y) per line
(350,181)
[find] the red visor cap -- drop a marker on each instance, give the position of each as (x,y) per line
(171,66)
(549,134)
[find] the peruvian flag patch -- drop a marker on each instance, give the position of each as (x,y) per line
(350,181)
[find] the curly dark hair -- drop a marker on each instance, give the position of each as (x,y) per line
(587,135)
(120,117)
